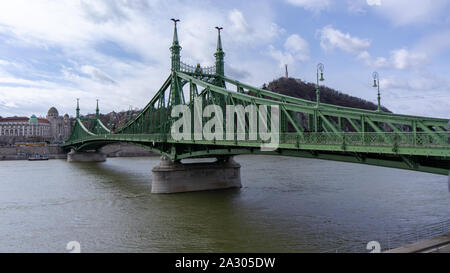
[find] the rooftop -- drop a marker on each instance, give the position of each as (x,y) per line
(24,119)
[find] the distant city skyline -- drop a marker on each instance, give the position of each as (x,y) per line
(52,52)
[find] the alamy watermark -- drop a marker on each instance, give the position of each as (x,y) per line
(374,247)
(73,247)
(261,123)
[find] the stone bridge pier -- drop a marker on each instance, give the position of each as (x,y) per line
(86,156)
(177,177)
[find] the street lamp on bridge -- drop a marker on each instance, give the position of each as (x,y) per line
(376,83)
(320,67)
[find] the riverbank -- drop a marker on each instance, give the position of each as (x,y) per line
(438,244)
(54,151)
(23,152)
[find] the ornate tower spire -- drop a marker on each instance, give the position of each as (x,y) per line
(97,111)
(176,48)
(220,64)
(78,108)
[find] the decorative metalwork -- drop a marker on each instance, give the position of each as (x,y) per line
(209,70)
(327,132)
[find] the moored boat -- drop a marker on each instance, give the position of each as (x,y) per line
(37,157)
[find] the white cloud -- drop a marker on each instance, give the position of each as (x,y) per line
(356,6)
(400,59)
(97,74)
(297,46)
(416,83)
(281,56)
(434,44)
(331,38)
(238,22)
(404,12)
(4,62)
(379,62)
(421,93)
(73,30)
(374,2)
(295,49)
(365,56)
(312,5)
(404,59)
(251,29)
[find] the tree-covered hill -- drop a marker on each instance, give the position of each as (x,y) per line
(304,90)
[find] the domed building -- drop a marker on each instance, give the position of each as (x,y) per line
(52,112)
(54,128)
(60,126)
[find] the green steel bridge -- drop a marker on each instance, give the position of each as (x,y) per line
(307,129)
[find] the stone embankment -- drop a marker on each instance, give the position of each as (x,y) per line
(55,152)
(125,150)
(23,152)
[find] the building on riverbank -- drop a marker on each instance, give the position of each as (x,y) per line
(60,126)
(53,129)
(24,127)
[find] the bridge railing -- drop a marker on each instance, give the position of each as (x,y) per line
(370,138)
(422,140)
(186,68)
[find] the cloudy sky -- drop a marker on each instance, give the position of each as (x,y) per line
(54,51)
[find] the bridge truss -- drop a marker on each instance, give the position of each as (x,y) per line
(307,129)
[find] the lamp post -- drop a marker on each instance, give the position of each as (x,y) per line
(376,83)
(320,68)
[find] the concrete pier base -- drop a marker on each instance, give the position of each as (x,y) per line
(176,177)
(94,156)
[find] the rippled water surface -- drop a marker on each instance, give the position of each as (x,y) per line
(286,205)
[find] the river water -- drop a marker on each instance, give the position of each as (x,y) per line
(285,205)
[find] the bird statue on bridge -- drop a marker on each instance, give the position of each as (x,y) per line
(175,20)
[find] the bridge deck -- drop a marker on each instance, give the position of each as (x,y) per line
(387,143)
